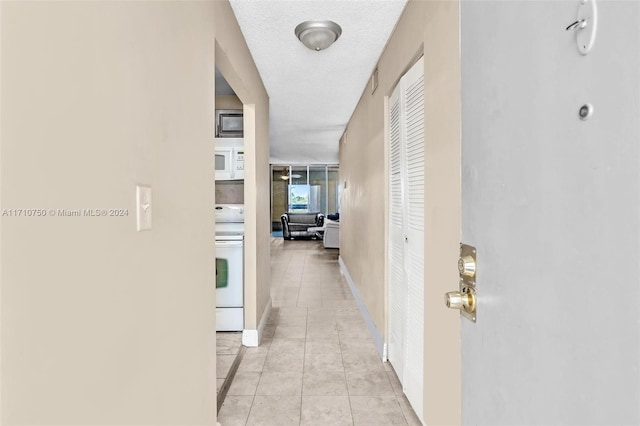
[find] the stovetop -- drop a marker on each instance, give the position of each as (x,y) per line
(229,213)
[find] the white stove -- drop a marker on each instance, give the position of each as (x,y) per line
(229,220)
(229,267)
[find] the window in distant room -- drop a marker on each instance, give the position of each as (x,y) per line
(299,198)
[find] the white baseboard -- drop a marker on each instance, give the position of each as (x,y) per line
(251,338)
(375,334)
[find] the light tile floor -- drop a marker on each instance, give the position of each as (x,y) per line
(317,364)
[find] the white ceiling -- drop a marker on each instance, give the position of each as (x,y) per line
(313,94)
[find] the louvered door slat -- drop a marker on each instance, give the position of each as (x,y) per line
(397,281)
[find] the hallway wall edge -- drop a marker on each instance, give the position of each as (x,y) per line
(381,346)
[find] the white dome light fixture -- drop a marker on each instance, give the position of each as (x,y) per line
(318,35)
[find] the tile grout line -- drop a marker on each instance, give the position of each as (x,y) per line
(344,369)
(253,399)
(304,349)
(304,357)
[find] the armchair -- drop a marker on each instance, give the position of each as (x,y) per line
(295,225)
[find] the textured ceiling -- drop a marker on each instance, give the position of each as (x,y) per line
(313,94)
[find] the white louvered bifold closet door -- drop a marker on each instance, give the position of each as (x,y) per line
(414,201)
(406,234)
(397,280)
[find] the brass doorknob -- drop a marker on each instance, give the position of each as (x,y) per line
(459,300)
(467,266)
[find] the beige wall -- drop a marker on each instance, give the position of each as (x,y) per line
(430,28)
(102,324)
(228,102)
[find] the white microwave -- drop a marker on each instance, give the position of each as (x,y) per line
(229,163)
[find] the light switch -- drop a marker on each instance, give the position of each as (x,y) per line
(143,207)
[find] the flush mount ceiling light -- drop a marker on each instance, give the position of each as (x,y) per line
(294,176)
(318,35)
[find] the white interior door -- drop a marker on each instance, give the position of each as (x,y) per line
(397,279)
(552,204)
(406,123)
(413,88)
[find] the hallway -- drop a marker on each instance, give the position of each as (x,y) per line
(317,364)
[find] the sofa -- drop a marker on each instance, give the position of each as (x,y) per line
(295,224)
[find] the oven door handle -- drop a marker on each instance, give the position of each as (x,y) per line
(229,243)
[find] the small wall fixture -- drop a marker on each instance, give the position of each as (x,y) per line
(318,35)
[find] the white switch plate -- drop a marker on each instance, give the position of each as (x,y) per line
(143,207)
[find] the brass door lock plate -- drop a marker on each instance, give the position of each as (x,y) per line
(465,299)
(467,264)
